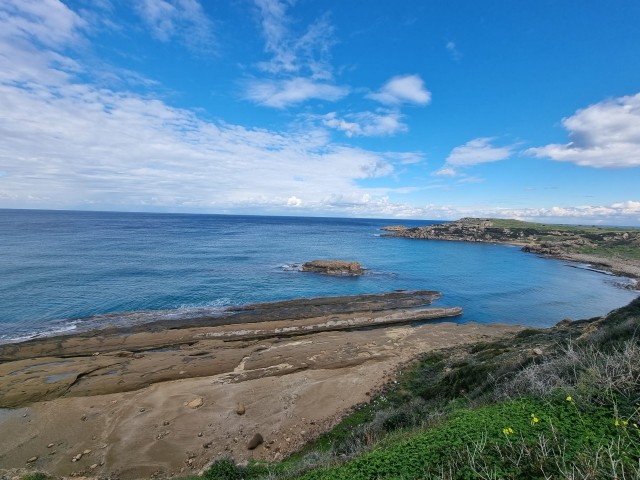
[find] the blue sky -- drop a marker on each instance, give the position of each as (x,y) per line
(412,109)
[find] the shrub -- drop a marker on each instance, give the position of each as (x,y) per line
(225,469)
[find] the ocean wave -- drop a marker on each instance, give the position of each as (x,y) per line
(291,267)
(120,320)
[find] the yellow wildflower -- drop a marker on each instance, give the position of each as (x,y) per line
(569,399)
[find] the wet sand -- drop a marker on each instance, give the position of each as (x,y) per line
(164,402)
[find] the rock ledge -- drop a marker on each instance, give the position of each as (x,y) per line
(333,267)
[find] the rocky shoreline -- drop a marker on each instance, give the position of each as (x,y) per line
(614,250)
(161,400)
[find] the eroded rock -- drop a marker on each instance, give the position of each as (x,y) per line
(333,267)
(255,441)
(195,403)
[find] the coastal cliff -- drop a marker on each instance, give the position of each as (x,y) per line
(613,249)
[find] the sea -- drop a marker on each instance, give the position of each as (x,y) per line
(67,271)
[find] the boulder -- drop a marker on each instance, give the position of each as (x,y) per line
(255,441)
(333,267)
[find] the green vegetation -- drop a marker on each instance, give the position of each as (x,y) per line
(542,404)
(35,476)
(550,227)
(613,251)
(604,242)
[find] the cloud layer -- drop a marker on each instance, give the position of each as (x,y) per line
(606,134)
(72,136)
(473,152)
(403,89)
(67,142)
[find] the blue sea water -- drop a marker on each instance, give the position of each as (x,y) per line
(62,270)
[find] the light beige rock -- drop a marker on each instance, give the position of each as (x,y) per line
(195,403)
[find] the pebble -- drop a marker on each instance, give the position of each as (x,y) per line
(240,409)
(50,445)
(199,434)
(195,403)
(86,452)
(32,459)
(94,466)
(142,410)
(77,457)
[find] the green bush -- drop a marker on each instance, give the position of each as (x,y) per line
(225,469)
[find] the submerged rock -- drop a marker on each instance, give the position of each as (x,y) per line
(333,267)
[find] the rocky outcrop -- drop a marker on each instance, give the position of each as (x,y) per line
(554,240)
(333,267)
(109,361)
(466,229)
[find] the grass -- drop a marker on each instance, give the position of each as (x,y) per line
(613,251)
(550,227)
(493,432)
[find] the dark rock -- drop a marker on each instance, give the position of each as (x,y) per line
(240,409)
(255,441)
(333,267)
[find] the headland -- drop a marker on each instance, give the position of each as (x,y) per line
(611,249)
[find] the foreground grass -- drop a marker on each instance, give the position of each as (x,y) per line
(492,411)
(523,438)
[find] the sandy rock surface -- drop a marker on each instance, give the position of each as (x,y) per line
(291,390)
(163,402)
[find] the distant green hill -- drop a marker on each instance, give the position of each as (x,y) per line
(542,238)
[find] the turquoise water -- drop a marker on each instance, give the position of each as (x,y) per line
(61,271)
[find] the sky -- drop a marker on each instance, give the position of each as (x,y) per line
(414,109)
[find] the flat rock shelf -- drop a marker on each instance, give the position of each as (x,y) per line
(133,401)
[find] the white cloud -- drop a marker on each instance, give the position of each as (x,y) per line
(67,143)
(403,89)
(453,51)
(299,67)
(472,153)
(184,20)
(47,22)
(294,201)
(284,93)
(624,213)
(606,134)
(366,124)
(295,54)
(621,213)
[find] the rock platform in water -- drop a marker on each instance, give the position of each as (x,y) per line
(333,267)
